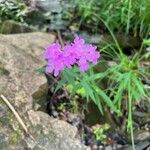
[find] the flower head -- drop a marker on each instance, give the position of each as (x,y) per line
(76,53)
(54,57)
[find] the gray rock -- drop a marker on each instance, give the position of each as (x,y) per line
(57,135)
(108,148)
(11,27)
(142,135)
(138,146)
(20,56)
(104,39)
(49,5)
(142,145)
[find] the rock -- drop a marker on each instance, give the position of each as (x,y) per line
(142,117)
(139,146)
(108,148)
(118,137)
(63,132)
(104,39)
(20,56)
(35,18)
(57,23)
(142,145)
(11,27)
(142,135)
(49,5)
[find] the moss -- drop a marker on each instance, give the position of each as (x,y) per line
(16,132)
(4,120)
(15,136)
(3,71)
(10,26)
(8,119)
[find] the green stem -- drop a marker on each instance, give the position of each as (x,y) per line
(131,125)
(130,122)
(113,36)
(129,14)
(142,45)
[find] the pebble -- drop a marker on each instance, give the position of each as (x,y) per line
(142,145)
(108,148)
(142,135)
(55,114)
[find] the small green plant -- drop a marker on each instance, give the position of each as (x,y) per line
(125,80)
(12,9)
(124,77)
(123,16)
(125,85)
(61,107)
(80,91)
(74,105)
(100,132)
(86,81)
(146,42)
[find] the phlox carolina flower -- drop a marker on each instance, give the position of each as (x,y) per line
(77,53)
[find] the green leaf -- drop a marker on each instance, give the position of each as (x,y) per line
(146,42)
(60,85)
(106,99)
(69,76)
(98,103)
(138,85)
(135,94)
(123,83)
(119,94)
(89,91)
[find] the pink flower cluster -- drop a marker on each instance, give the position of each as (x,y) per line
(76,53)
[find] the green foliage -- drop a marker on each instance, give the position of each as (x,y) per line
(13,9)
(100,133)
(124,78)
(127,86)
(121,15)
(61,107)
(80,91)
(72,106)
(147,42)
(87,81)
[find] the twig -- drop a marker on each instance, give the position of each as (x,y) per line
(16,114)
(60,38)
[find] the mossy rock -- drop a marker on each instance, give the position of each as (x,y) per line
(10,27)
(3,71)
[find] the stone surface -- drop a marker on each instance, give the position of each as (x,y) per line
(103,39)
(142,145)
(142,135)
(139,146)
(49,5)
(20,56)
(58,135)
(11,27)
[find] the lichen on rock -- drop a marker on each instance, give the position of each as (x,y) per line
(20,56)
